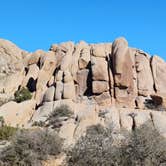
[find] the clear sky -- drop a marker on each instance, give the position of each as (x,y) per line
(36,24)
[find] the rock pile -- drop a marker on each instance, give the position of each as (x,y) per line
(106,73)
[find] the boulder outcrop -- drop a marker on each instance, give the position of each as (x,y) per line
(106,76)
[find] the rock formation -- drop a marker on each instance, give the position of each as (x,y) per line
(107,75)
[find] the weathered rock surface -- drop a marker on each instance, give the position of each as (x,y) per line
(144,74)
(123,66)
(159,72)
(111,79)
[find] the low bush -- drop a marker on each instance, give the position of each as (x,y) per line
(22,95)
(6,132)
(145,146)
(2,121)
(60,114)
(31,147)
(94,148)
(142,147)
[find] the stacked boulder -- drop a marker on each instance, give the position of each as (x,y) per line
(124,72)
(108,73)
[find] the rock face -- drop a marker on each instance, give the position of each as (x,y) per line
(123,69)
(144,74)
(159,72)
(109,74)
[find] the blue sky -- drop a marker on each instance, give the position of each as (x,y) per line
(36,24)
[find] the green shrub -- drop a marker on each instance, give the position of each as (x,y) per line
(22,95)
(142,147)
(145,146)
(2,121)
(6,132)
(60,114)
(94,148)
(39,124)
(31,147)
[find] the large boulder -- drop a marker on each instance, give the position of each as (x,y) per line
(59,90)
(144,74)
(45,74)
(18,114)
(49,94)
(67,59)
(10,57)
(31,77)
(35,57)
(42,113)
(123,72)
(79,58)
(99,87)
(84,58)
(99,69)
(69,90)
(9,84)
(98,50)
(103,99)
(11,67)
(159,73)
(82,80)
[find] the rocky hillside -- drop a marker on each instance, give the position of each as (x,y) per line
(109,79)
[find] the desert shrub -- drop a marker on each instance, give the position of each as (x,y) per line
(142,147)
(153,105)
(22,95)
(95,148)
(39,123)
(60,114)
(2,121)
(31,147)
(145,146)
(6,132)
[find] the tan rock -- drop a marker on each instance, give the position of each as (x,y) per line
(98,50)
(108,49)
(99,69)
(69,90)
(103,99)
(75,59)
(140,117)
(82,80)
(45,110)
(159,73)
(9,84)
(16,114)
(59,75)
(67,76)
(45,74)
(84,58)
(140,102)
(35,57)
(123,63)
(159,121)
(33,71)
(100,86)
(58,90)
(67,59)
(144,74)
(42,113)
(49,94)
(51,82)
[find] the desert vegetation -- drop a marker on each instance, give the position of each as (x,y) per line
(142,147)
(22,95)
(100,146)
(56,117)
(30,148)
